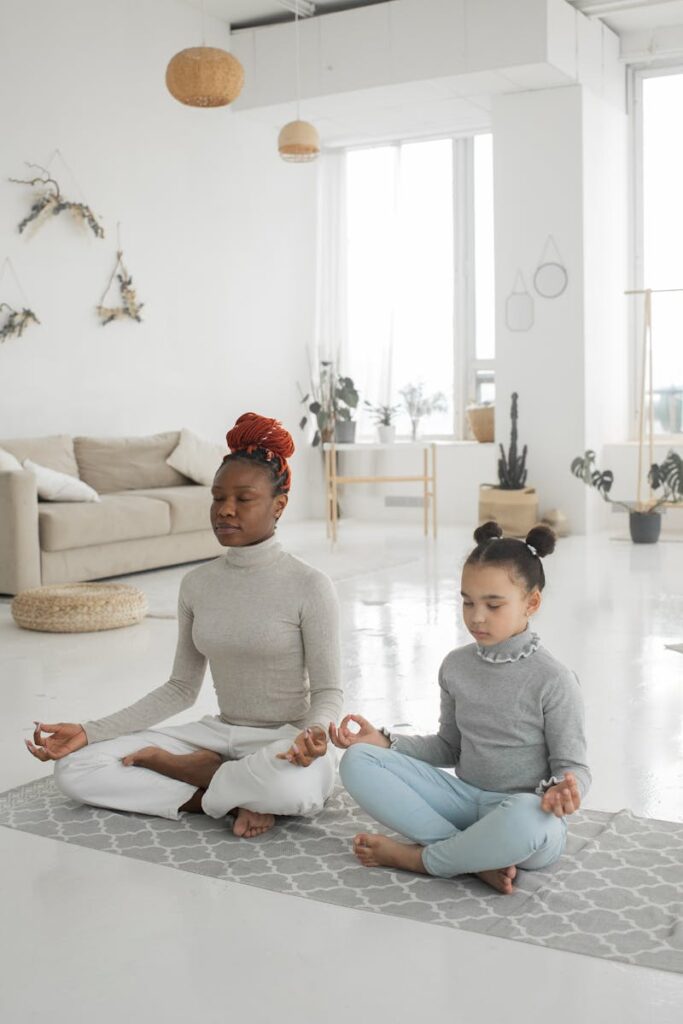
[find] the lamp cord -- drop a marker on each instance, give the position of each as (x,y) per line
(298,62)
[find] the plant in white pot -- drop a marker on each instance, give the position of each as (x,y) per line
(383,417)
(510,503)
(644,518)
(417,404)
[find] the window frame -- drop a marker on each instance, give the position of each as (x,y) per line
(466,366)
(637,74)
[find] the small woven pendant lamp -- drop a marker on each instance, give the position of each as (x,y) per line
(298,141)
(204,76)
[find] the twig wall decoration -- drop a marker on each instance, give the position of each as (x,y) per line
(130,306)
(13,322)
(16,321)
(48,200)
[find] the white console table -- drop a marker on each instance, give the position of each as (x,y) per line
(333,479)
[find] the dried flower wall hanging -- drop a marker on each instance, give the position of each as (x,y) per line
(130,307)
(13,321)
(16,321)
(49,201)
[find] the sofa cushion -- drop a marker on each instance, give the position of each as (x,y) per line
(52,452)
(197,458)
(8,463)
(111,464)
(65,525)
(54,486)
(188,506)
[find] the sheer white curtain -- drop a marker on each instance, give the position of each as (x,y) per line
(385,271)
(331,331)
(400,273)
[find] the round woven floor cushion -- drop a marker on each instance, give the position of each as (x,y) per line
(79,607)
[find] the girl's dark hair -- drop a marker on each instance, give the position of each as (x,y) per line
(494,549)
(265,442)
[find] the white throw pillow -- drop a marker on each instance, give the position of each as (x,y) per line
(8,463)
(54,486)
(196,458)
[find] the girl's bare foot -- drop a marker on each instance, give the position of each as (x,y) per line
(197,768)
(250,823)
(500,879)
(380,851)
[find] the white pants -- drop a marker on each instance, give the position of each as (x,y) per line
(251,776)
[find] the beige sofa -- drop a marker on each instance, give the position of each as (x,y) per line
(148,516)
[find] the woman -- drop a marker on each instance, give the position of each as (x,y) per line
(268,626)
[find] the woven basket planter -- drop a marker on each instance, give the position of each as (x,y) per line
(516,512)
(79,607)
(481,419)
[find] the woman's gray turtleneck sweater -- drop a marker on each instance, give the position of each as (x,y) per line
(268,626)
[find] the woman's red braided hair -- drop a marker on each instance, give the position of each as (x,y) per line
(254,433)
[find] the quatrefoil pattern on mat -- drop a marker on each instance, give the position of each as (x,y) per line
(617,893)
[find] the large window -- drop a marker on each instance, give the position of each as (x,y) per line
(420,274)
(660,239)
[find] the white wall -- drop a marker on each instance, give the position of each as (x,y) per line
(560,169)
(217,232)
(538,192)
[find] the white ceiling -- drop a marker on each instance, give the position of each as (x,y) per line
(633,15)
(249,11)
(620,15)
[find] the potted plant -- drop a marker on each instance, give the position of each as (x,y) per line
(481,419)
(320,402)
(345,405)
(417,404)
(510,503)
(383,417)
(644,518)
(332,400)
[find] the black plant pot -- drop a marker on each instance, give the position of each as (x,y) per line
(645,527)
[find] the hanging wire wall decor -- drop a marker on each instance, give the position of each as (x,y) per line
(13,321)
(130,307)
(49,201)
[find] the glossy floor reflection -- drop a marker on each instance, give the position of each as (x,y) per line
(123,937)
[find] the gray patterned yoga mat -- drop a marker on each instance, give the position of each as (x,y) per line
(617,893)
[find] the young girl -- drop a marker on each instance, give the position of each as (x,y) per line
(511,725)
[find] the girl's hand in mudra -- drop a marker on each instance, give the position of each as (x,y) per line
(562,799)
(52,742)
(342,737)
(309,745)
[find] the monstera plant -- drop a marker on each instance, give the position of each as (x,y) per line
(645,520)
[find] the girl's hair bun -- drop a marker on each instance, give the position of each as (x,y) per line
(543,539)
(254,431)
(487,531)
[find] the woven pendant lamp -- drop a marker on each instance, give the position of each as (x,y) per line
(298,141)
(204,76)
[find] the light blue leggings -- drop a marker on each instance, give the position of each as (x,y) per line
(463,829)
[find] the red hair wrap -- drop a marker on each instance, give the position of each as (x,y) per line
(252,432)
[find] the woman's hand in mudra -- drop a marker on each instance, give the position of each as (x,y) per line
(51,742)
(308,745)
(342,737)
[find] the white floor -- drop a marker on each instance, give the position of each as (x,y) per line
(88,935)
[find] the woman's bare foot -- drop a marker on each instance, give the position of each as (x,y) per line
(500,879)
(380,851)
(197,768)
(250,823)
